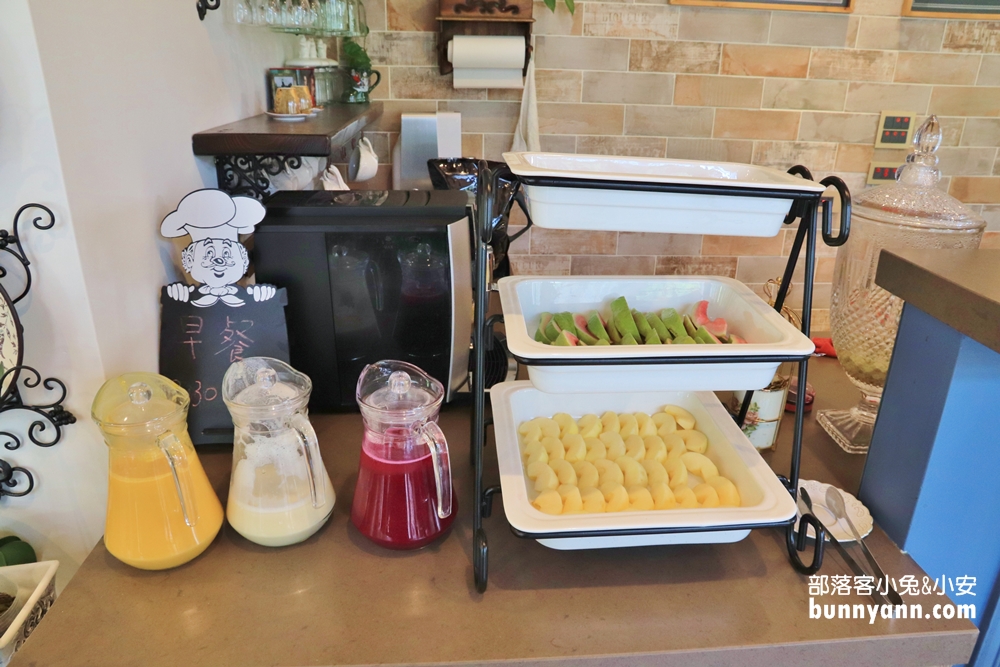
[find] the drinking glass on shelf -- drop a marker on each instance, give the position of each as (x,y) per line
(357,26)
(241,12)
(302,15)
(335,15)
(270,13)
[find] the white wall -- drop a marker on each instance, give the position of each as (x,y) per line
(63,516)
(124,108)
(98,102)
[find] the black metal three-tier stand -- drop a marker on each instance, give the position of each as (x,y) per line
(494,198)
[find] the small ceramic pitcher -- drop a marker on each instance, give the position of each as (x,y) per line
(359,84)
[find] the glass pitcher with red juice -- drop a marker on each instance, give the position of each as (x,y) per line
(404,497)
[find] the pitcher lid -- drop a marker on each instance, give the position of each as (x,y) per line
(422,257)
(399,389)
(263,382)
(138,399)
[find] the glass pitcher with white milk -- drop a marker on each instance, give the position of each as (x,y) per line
(279,491)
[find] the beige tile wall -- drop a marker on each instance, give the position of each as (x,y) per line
(771,88)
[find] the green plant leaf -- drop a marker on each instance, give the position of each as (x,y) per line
(571,6)
(551,4)
(356,57)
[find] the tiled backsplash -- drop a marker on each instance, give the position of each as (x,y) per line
(772,88)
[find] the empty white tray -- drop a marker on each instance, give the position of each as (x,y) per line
(525,298)
(765,500)
(561,193)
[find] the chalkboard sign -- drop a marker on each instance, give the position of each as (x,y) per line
(965,9)
(197,345)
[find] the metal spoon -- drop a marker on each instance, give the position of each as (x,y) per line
(851,563)
(835,503)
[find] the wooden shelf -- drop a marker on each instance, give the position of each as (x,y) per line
(335,126)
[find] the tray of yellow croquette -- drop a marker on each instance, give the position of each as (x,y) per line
(667,467)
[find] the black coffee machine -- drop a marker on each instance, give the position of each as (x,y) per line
(370,275)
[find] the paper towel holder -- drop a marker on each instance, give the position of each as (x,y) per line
(483,17)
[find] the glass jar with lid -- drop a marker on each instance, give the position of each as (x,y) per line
(913,212)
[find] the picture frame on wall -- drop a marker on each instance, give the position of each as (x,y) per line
(953,9)
(843,6)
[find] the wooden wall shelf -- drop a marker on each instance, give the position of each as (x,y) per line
(334,126)
(248,152)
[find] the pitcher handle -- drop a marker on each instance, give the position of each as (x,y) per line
(310,444)
(173,449)
(431,434)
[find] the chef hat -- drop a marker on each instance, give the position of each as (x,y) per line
(212,214)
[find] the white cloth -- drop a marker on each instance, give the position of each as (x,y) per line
(212,214)
(526,134)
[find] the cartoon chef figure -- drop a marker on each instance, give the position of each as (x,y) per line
(215,257)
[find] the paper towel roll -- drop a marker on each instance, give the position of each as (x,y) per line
(487,61)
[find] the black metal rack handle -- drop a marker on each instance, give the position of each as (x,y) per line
(797,210)
(845,213)
(797,541)
(519,198)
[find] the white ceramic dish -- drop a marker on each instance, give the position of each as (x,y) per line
(18,595)
(860,516)
(765,500)
(525,298)
(288,117)
(567,205)
(40,580)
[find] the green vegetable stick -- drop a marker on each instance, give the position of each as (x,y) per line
(658,326)
(623,318)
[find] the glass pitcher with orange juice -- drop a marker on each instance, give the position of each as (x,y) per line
(162,510)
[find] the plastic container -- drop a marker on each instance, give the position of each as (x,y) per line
(765,500)
(770,338)
(568,192)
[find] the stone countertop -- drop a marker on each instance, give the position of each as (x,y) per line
(958,287)
(338,599)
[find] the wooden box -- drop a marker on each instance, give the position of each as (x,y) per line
(486,9)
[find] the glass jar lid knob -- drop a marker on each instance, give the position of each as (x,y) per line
(265,377)
(139,393)
(399,383)
(921,169)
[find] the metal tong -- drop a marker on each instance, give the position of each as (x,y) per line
(840,511)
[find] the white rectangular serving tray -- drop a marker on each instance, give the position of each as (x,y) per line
(525,298)
(39,578)
(765,500)
(561,193)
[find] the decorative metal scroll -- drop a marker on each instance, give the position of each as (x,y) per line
(250,175)
(205,5)
(48,415)
(487,7)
